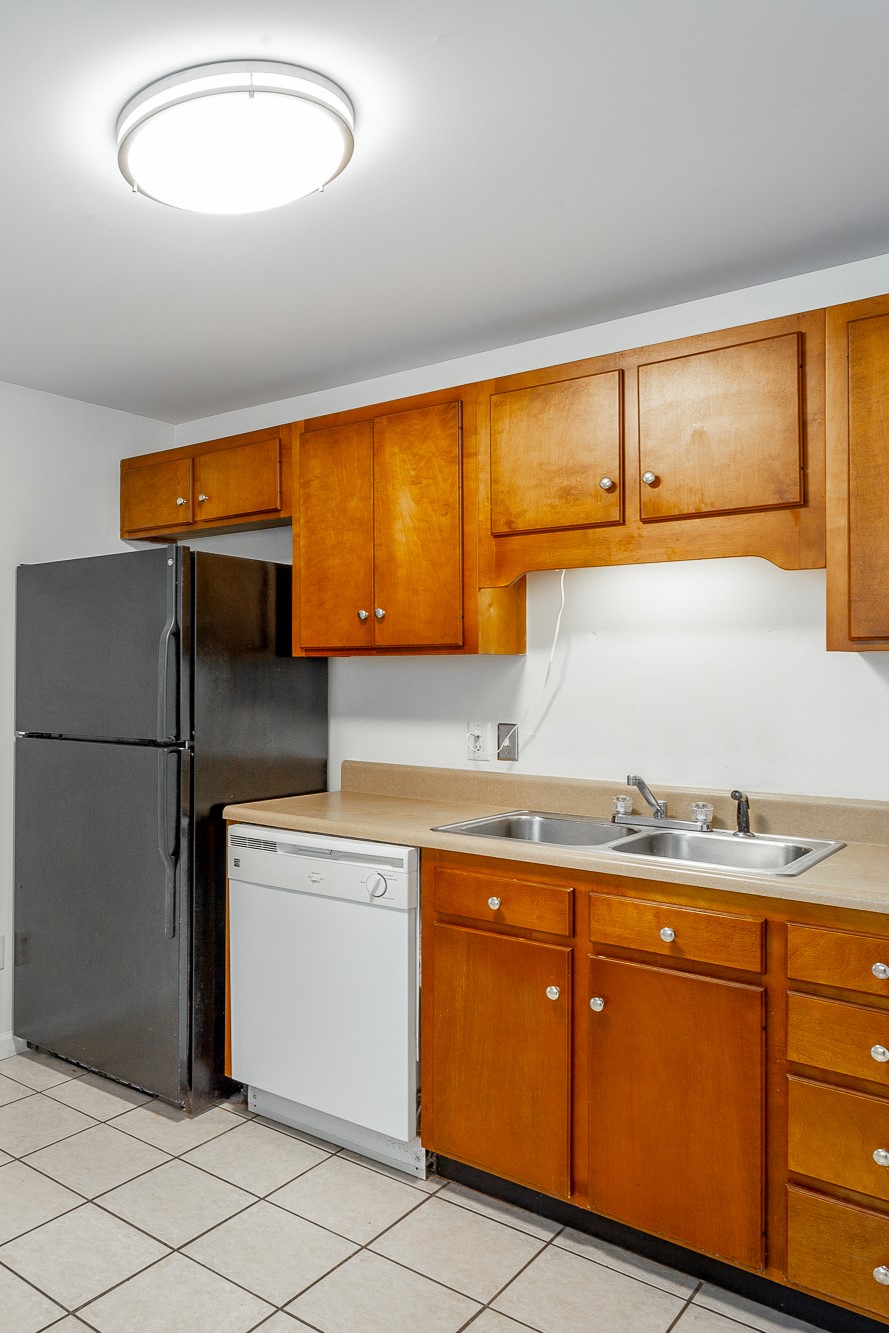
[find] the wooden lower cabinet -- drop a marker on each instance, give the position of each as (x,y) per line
(839,1250)
(676,1106)
(500,1057)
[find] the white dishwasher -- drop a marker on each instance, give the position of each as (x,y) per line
(323,942)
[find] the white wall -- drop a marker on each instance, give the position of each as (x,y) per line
(59,499)
(709,674)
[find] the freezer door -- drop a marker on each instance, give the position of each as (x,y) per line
(97,646)
(101,909)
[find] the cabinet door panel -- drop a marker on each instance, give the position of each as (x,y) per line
(868,477)
(150,495)
(417,528)
(240,481)
(335,498)
(551,445)
(676,1107)
(833,1135)
(501,1055)
(722,430)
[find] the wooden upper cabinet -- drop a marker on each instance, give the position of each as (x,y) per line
(858,475)
(721,431)
(676,1119)
(155,496)
(234,483)
(557,455)
(334,562)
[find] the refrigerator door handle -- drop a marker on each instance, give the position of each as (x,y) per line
(167,837)
(168,633)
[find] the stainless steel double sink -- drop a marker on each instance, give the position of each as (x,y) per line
(718,849)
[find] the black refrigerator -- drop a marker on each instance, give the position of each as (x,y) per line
(152,688)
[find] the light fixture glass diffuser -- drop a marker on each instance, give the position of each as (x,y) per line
(235,137)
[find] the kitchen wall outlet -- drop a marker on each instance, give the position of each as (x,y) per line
(479,740)
(2,952)
(507,740)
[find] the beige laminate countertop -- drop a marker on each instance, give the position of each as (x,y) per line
(855,877)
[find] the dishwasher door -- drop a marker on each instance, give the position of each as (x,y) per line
(323,953)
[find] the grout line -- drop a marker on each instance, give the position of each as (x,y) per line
(681,1314)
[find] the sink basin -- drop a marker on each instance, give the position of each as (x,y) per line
(537,826)
(763,854)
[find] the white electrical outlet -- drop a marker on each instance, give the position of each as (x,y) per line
(2,952)
(479,740)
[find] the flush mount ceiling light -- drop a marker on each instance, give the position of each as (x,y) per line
(237,137)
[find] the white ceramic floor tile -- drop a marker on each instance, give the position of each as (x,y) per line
(99,1097)
(372,1295)
(176,1294)
(431,1185)
(749,1312)
(270,1252)
(624,1261)
(176,1202)
(256,1158)
(34,1122)
(347,1198)
(172,1130)
(541,1227)
(28,1199)
(460,1248)
(97,1160)
(38,1071)
(489,1321)
(4,1158)
(69,1325)
(80,1255)
(696,1319)
(281,1323)
(22,1309)
(562,1293)
(324,1144)
(10,1091)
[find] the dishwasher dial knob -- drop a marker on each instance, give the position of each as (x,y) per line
(376,885)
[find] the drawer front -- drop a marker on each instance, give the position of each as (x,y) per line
(833,1135)
(838,958)
(847,1038)
(835,1248)
(678,932)
(504,902)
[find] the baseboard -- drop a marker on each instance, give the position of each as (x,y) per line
(10,1045)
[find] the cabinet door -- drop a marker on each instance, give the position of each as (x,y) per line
(335,514)
(676,1107)
(157,495)
(418,529)
(556,452)
(722,431)
(500,1059)
(232,483)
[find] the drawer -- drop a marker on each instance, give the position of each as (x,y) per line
(505,902)
(838,958)
(833,1135)
(835,1248)
(678,932)
(847,1038)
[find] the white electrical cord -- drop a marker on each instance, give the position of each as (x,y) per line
(540,693)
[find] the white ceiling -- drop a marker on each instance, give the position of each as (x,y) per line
(521,168)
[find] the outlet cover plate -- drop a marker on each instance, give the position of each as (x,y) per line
(508,740)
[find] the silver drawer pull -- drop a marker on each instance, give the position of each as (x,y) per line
(667,935)
(181,500)
(880,1054)
(552,992)
(649,478)
(882,1275)
(881,1157)
(597,1004)
(880,970)
(606,483)
(362,615)
(494,904)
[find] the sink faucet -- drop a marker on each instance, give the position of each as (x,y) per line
(658,808)
(743,815)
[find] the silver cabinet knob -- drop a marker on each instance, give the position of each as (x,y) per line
(597,1004)
(552,992)
(880,970)
(880,1054)
(649,478)
(606,483)
(881,1157)
(881,1275)
(181,500)
(362,615)
(202,498)
(379,612)
(494,904)
(667,935)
